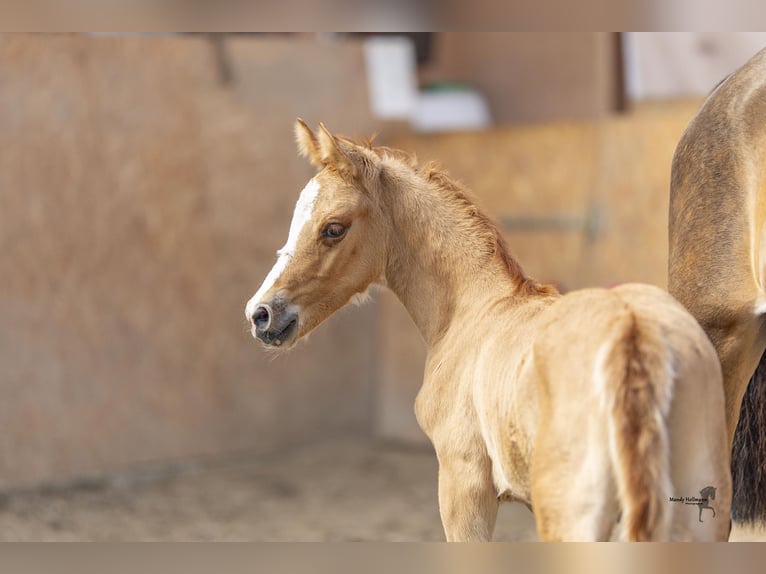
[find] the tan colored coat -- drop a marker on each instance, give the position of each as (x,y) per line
(585,407)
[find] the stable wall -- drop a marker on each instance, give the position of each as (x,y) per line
(533,76)
(145,184)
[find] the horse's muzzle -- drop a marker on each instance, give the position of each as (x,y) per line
(274,324)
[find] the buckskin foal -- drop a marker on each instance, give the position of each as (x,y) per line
(587,407)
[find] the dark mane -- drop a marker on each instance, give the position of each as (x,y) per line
(434,173)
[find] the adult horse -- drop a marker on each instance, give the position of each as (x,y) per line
(587,406)
(717,263)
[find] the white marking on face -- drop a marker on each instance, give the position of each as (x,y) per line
(304,209)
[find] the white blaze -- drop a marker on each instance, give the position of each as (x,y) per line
(301,217)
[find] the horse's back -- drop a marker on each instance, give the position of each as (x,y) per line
(586,315)
(590,319)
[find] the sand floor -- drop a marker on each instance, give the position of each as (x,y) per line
(339,490)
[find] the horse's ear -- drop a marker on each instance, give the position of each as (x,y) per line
(308,146)
(338,153)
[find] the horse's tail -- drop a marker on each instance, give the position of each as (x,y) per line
(748,456)
(635,368)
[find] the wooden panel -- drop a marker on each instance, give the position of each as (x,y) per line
(531,77)
(402,353)
(635,155)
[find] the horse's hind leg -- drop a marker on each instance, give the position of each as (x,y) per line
(568,513)
(699,460)
(577,523)
(574,499)
(740,352)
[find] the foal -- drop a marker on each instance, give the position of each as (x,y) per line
(585,407)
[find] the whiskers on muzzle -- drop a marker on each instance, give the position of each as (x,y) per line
(275,323)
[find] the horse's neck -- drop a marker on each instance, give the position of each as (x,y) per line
(438,265)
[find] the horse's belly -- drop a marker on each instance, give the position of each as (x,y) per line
(506,404)
(508,445)
(510,472)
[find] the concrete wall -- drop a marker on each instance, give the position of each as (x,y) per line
(141,203)
(684,64)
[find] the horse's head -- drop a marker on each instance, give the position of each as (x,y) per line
(335,246)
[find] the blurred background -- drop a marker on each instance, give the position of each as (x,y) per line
(145,184)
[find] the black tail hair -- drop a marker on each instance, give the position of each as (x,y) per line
(748,456)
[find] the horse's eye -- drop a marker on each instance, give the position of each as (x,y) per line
(333,231)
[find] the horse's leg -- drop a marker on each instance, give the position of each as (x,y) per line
(580,517)
(574,497)
(699,453)
(468,500)
(740,352)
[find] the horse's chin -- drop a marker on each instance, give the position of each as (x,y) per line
(281,340)
(281,347)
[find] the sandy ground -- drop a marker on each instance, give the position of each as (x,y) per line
(333,491)
(339,490)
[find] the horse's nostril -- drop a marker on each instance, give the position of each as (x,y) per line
(262,317)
